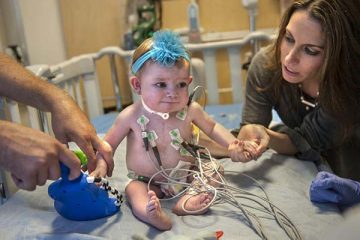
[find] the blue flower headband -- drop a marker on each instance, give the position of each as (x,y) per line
(166,49)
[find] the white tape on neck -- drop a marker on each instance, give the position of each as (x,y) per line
(163,115)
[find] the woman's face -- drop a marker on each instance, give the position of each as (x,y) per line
(302,49)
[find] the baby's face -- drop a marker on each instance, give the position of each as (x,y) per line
(165,89)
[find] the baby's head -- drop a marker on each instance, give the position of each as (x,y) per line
(164,48)
(161,72)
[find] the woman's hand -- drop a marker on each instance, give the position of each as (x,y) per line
(256,133)
(242,151)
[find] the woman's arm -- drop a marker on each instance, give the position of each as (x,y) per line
(266,138)
(259,102)
(281,143)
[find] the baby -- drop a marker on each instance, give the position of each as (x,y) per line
(159,127)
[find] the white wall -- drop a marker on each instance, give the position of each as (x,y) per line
(8,23)
(43,31)
(36,26)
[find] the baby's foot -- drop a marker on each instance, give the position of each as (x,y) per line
(197,204)
(156,216)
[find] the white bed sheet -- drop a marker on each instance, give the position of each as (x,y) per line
(31,215)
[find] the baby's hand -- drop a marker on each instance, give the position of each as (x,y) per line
(101,167)
(242,151)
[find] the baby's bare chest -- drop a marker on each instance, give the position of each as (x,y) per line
(166,136)
(167,133)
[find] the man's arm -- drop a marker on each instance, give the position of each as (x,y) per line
(21,85)
(68,121)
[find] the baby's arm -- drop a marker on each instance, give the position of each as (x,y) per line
(238,150)
(101,167)
(212,129)
(114,137)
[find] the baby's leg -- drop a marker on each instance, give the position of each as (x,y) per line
(146,205)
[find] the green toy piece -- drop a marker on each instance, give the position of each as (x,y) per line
(81,156)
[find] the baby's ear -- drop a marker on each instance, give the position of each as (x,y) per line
(190,79)
(135,84)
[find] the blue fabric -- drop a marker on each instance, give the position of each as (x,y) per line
(79,200)
(329,188)
(166,49)
(104,122)
(229,115)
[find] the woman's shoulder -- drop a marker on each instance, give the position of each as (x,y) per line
(259,70)
(262,56)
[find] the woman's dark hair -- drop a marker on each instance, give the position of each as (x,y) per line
(339,91)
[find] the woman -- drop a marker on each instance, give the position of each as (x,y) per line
(310,77)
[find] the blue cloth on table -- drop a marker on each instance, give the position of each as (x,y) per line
(229,115)
(104,122)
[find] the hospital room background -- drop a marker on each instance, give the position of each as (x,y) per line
(85,48)
(52,31)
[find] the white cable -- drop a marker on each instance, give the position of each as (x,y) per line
(224,193)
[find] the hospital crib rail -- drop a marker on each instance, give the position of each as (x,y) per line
(204,70)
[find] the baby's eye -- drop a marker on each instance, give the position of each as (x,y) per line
(160,85)
(182,85)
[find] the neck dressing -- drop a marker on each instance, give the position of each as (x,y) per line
(164,116)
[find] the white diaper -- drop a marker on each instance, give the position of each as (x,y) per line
(178,178)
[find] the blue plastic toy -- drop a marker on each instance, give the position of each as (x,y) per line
(79,200)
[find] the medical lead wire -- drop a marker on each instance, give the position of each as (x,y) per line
(230,194)
(105,184)
(226,193)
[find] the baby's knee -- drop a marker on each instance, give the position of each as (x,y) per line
(130,187)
